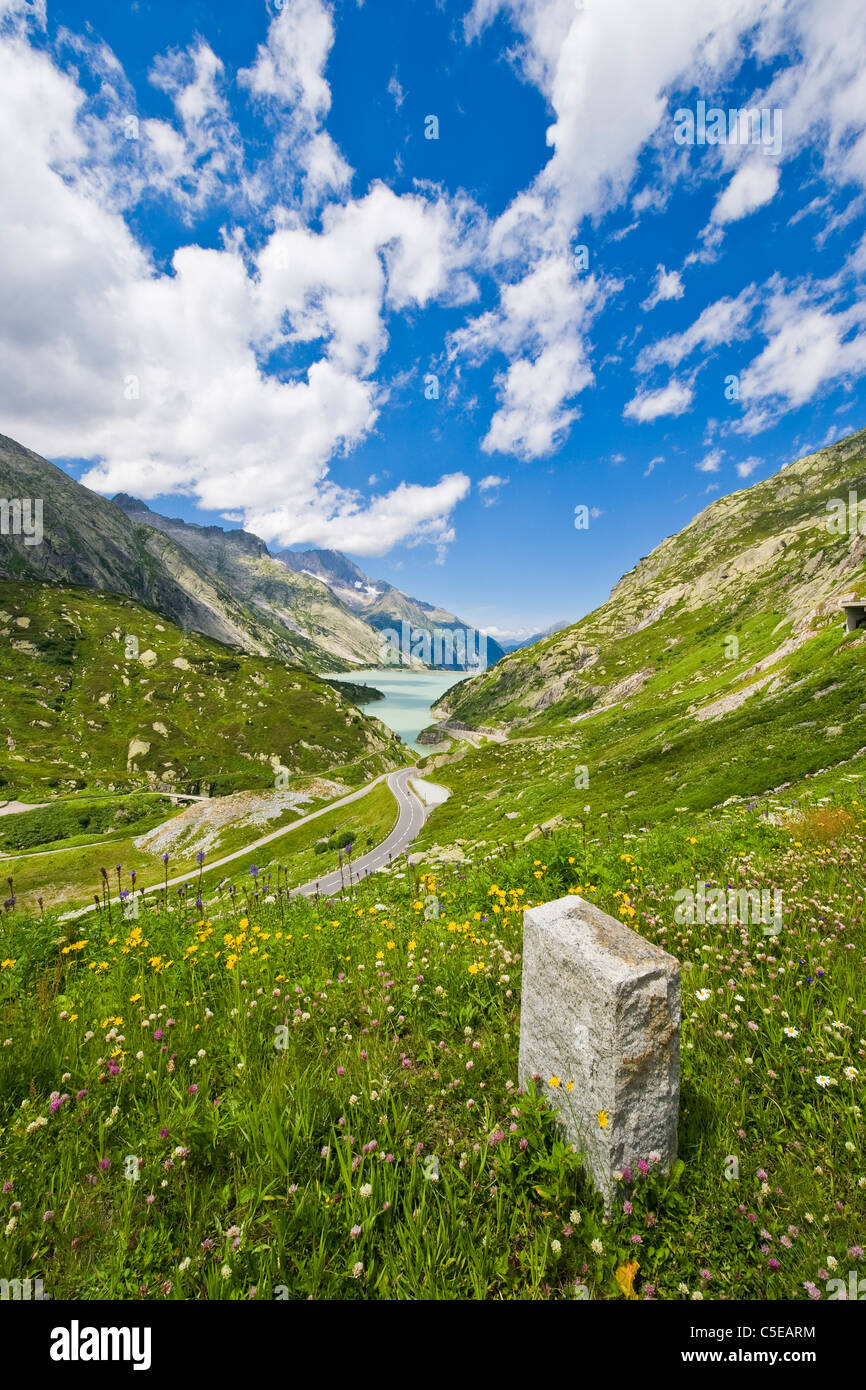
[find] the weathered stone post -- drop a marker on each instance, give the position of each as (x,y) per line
(600,1008)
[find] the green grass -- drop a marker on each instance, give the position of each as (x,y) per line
(75,821)
(653,756)
(70,881)
(332,1107)
(706,616)
(308,1122)
(100,694)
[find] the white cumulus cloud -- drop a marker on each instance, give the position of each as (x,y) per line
(180,379)
(753,185)
(673,399)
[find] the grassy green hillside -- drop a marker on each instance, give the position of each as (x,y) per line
(719,667)
(79,709)
(322,1099)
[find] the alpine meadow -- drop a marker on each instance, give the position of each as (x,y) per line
(432,668)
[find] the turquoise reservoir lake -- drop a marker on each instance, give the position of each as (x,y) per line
(409,696)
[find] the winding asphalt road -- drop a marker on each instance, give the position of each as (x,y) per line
(410,821)
(412,815)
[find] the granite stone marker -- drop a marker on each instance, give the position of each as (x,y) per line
(601,1008)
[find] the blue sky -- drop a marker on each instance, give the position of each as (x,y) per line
(239,260)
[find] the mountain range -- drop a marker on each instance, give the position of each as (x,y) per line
(721,661)
(513,644)
(377,601)
(771,549)
(720,667)
(293,615)
(313,609)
